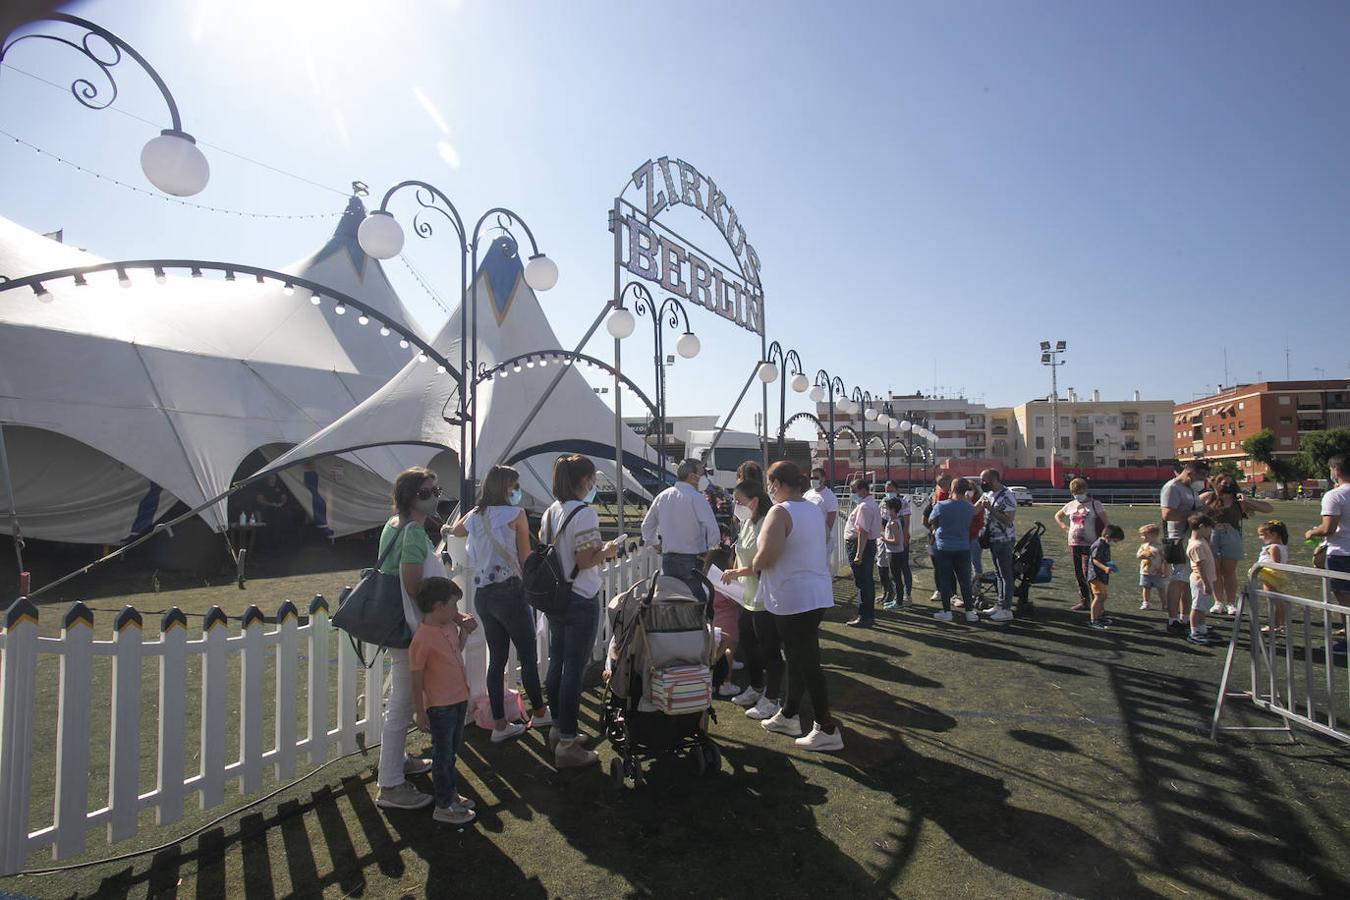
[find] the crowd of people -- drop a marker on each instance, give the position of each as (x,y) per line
(777,552)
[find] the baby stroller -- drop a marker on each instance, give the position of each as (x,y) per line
(658,698)
(1030,566)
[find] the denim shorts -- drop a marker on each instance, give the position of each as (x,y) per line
(1181,573)
(1339,563)
(1227,543)
(1153,581)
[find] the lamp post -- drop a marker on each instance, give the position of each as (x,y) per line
(381,237)
(861,402)
(833,387)
(886,419)
(777,361)
(621,324)
(171,161)
(910,424)
(1051,356)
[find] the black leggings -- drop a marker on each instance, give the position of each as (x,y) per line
(1080,572)
(770,651)
(801,646)
(750,650)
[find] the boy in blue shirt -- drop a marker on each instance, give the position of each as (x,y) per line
(1099,572)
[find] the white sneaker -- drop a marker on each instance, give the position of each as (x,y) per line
(512,729)
(1000,614)
(1143,605)
(728,689)
(783,725)
(937,596)
(747,697)
(416,765)
(1230,609)
(942,615)
(764,708)
(972,617)
(822,741)
(402,796)
(544,721)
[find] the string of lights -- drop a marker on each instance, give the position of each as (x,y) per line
(425,285)
(65,89)
(155,194)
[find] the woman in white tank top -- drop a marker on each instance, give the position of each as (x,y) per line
(499,541)
(792,563)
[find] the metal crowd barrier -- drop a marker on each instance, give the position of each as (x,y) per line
(1292,672)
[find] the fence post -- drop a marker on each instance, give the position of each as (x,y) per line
(287,638)
(250,702)
(18,677)
(374,694)
(318,680)
(124,755)
(172,678)
(215,631)
(346,696)
(72,731)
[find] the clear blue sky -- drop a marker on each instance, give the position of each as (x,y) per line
(932,188)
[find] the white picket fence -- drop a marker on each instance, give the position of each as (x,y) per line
(312,655)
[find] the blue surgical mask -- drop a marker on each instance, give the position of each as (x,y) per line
(815,484)
(516,496)
(890,495)
(590,496)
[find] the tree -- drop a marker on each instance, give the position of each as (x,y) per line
(1319,446)
(1261,447)
(1226,467)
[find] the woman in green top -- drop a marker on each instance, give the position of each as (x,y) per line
(415,497)
(758,634)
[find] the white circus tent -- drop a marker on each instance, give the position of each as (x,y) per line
(117,400)
(414,405)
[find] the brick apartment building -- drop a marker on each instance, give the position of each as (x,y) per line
(1214,427)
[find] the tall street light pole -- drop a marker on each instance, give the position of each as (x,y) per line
(1052,356)
(381,237)
(831,387)
(785,360)
(670,312)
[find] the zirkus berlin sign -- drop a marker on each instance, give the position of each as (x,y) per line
(653,252)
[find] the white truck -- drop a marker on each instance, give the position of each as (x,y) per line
(734,448)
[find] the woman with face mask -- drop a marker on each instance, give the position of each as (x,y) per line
(498,543)
(1083,520)
(416,495)
(1228,507)
(758,640)
(573,528)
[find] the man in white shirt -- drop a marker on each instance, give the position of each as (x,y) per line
(1335,530)
(821,495)
(681,526)
(860,540)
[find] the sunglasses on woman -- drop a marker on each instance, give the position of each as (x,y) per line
(428,493)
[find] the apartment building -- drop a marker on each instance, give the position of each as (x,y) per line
(1093,432)
(959,424)
(1214,427)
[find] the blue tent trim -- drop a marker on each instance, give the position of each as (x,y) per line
(502,271)
(317,507)
(344,238)
(145,511)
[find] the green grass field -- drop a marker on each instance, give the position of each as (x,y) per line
(1035,759)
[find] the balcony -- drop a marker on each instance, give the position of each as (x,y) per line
(1198,447)
(1129,424)
(1311,424)
(1130,446)
(999,430)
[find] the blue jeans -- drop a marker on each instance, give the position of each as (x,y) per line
(1002,554)
(688,567)
(862,576)
(447,732)
(951,568)
(570,638)
(507,619)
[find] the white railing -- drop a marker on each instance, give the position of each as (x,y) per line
(302,695)
(1291,669)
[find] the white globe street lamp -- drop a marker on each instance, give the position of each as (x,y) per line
(688,345)
(870,414)
(620,323)
(380,235)
(541,273)
(817,394)
(173,164)
(800,382)
(768,372)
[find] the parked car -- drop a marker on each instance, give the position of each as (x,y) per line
(1021,494)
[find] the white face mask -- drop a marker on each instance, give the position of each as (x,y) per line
(815,484)
(1198,484)
(703,482)
(1080,497)
(742,512)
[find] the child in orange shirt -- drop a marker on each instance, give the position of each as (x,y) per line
(440,690)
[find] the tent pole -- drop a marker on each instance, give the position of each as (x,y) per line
(735,406)
(618,396)
(543,397)
(13,511)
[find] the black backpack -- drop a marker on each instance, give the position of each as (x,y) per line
(541,575)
